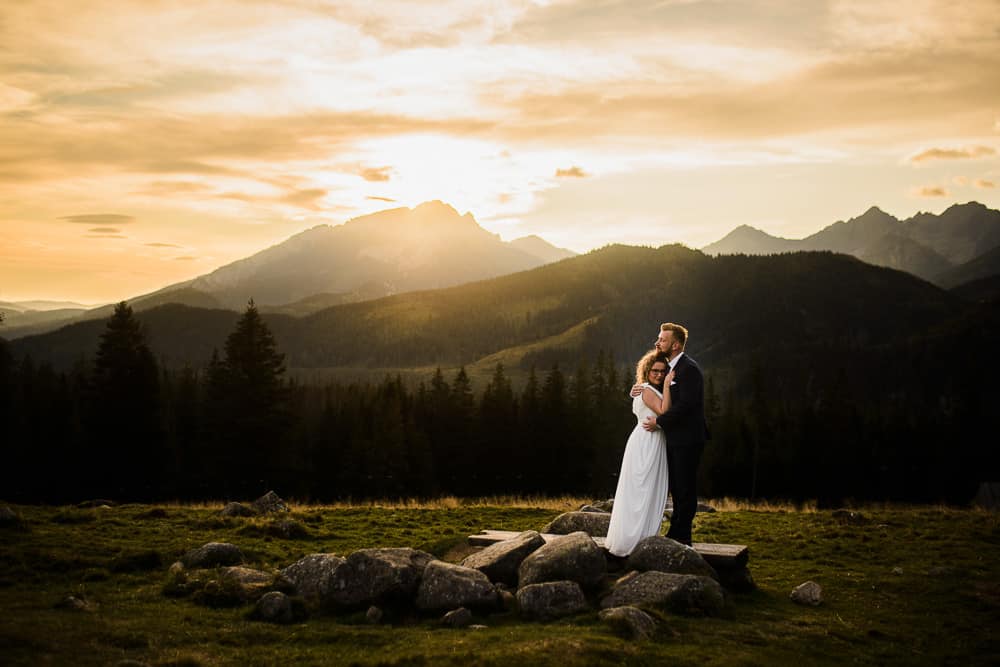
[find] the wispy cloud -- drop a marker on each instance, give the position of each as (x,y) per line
(572,172)
(163,245)
(376,174)
(966,153)
(99,219)
(104,230)
(185,258)
(984,184)
(930,191)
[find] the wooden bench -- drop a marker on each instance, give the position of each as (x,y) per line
(717,555)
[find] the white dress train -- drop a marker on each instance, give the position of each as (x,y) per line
(642,485)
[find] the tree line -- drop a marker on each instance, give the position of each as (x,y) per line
(127,427)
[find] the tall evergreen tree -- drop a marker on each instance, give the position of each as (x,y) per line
(124,411)
(249,406)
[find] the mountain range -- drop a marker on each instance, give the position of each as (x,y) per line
(389,252)
(959,245)
(612,299)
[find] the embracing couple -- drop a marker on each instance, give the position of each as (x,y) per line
(665,447)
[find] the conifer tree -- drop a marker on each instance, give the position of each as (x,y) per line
(249,404)
(124,410)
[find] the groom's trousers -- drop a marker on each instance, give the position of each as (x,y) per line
(682,471)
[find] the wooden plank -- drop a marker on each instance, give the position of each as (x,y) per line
(717,555)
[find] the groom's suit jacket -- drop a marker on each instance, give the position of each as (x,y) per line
(684,423)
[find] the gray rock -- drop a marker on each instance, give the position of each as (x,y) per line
(237,509)
(76,603)
(274,607)
(251,584)
(630,622)
(592,508)
(988,496)
(377,575)
(663,554)
(552,599)
(680,593)
(8,517)
(311,575)
(457,618)
(213,554)
(478,626)
(448,586)
(288,529)
(374,615)
(594,524)
(808,593)
(604,505)
(849,518)
(500,561)
(96,502)
(269,503)
(573,557)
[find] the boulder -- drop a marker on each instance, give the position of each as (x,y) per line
(288,529)
(988,496)
(251,584)
(552,599)
(629,622)
(592,508)
(10,519)
(500,561)
(374,615)
(274,607)
(311,575)
(808,593)
(237,509)
(457,618)
(96,502)
(849,518)
(213,554)
(76,603)
(573,557)
(377,575)
(594,524)
(680,593)
(663,554)
(448,586)
(269,503)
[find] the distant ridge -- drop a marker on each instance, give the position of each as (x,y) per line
(926,245)
(389,252)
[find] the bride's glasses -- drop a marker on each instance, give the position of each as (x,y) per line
(659,371)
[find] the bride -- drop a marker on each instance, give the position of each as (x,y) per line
(642,483)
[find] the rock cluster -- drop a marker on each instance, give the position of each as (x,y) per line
(526,575)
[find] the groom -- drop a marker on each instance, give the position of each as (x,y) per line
(684,427)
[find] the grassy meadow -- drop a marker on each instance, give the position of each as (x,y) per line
(903,586)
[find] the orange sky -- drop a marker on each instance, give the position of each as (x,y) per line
(144,142)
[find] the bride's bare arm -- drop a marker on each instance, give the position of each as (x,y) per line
(656,403)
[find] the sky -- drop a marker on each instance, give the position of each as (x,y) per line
(144,142)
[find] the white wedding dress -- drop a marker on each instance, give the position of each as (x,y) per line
(642,485)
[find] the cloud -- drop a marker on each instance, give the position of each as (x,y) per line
(308,198)
(385,199)
(104,230)
(99,219)
(106,236)
(969,152)
(375,174)
(163,245)
(930,191)
(572,172)
(169,188)
(984,184)
(185,258)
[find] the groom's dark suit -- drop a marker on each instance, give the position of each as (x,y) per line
(685,430)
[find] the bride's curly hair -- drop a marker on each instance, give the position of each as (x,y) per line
(647,361)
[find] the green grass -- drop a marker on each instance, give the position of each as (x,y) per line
(882,607)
